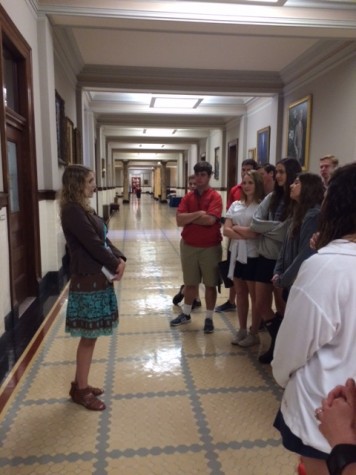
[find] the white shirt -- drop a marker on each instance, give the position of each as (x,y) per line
(241,249)
(316,343)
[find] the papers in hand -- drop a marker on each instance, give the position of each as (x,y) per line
(108,274)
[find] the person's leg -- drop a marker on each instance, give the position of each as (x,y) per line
(191,278)
(264,300)
(315,466)
(190,292)
(241,291)
(279,301)
(83,393)
(255,316)
(85,352)
(210,297)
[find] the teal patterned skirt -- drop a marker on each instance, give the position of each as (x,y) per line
(92,308)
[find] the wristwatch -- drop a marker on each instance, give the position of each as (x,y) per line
(341,456)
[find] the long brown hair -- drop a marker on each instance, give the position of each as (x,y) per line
(338,212)
(311,195)
(73,185)
(292,168)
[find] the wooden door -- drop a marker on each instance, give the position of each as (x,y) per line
(17,218)
(232,165)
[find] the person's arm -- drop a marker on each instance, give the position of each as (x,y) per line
(309,227)
(260,222)
(245,232)
(76,221)
(187,218)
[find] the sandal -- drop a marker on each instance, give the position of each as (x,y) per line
(86,398)
(95,391)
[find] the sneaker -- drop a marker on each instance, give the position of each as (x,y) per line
(180,320)
(240,335)
(208,326)
(196,303)
(178,297)
(250,340)
(226,307)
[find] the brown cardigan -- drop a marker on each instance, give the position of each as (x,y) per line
(84,233)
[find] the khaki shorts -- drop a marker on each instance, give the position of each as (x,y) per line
(200,264)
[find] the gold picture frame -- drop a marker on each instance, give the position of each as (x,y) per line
(299,127)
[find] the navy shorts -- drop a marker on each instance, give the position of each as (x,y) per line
(293,443)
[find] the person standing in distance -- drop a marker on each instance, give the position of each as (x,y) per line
(199,213)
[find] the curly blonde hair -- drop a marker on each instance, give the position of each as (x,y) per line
(73,185)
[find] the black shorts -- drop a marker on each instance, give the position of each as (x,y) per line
(265,270)
(246,271)
(293,443)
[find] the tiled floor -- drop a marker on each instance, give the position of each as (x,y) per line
(178,402)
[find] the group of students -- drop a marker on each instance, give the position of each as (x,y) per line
(315,349)
(312,340)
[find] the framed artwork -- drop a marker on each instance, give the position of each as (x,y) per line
(217,163)
(299,123)
(60,128)
(263,139)
(251,153)
(69,142)
(77,139)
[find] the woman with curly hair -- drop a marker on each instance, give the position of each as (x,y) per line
(270,221)
(92,306)
(307,191)
(315,348)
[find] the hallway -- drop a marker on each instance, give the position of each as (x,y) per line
(178,402)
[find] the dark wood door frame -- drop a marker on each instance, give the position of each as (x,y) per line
(232,164)
(12,39)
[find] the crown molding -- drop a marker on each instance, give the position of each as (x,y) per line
(324,56)
(180,80)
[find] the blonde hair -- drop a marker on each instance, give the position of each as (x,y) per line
(334,160)
(73,185)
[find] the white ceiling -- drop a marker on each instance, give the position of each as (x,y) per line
(128,55)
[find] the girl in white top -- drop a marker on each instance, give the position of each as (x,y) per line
(315,347)
(244,253)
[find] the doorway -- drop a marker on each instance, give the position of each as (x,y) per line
(19,166)
(232,164)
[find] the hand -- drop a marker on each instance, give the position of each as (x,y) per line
(313,240)
(338,418)
(275,280)
(120,270)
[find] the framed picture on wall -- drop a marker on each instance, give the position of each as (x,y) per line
(263,139)
(69,142)
(299,123)
(217,163)
(60,128)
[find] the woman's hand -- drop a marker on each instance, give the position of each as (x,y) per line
(337,415)
(120,270)
(275,280)
(314,240)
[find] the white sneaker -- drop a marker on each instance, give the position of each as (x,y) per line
(240,335)
(250,340)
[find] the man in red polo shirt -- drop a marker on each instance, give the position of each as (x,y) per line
(199,214)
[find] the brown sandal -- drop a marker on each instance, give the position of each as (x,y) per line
(86,398)
(95,391)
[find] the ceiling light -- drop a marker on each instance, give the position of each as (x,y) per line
(175,102)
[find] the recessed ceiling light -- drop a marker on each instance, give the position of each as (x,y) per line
(175,102)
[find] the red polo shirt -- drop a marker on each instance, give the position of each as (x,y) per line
(197,235)
(234,195)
